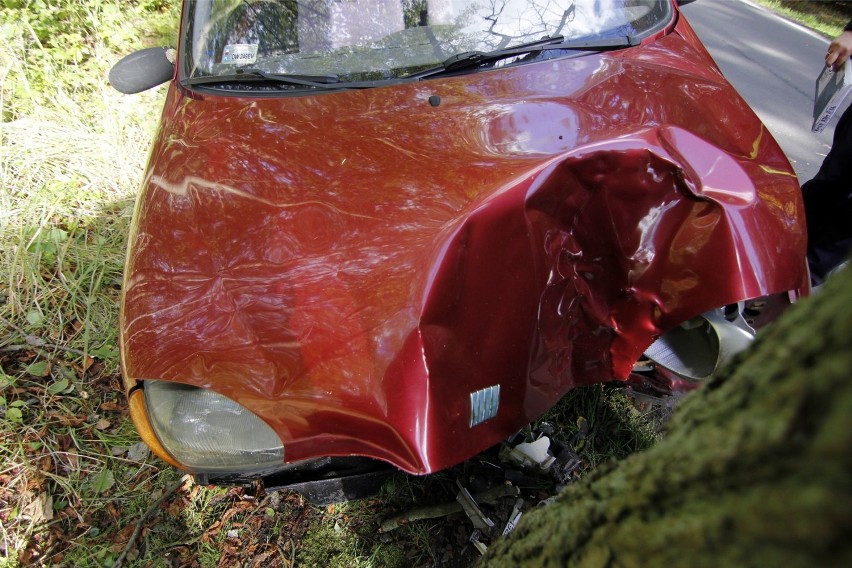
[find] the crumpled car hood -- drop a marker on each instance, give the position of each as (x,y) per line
(353,266)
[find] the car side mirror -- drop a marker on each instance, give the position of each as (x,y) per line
(142,70)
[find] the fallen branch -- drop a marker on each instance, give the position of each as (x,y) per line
(144,518)
(40,351)
(435,511)
(34,342)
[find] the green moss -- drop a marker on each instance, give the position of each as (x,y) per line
(329,544)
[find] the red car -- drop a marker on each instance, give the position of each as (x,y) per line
(379,232)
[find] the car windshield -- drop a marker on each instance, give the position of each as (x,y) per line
(346,41)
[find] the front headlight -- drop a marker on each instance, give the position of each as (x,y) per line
(207,432)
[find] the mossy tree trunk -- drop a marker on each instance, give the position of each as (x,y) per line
(756,469)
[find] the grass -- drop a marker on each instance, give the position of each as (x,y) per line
(615,427)
(74,474)
(826,17)
(75,482)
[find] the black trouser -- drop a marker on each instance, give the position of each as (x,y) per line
(828,204)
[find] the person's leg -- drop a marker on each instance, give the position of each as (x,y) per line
(838,163)
(828,204)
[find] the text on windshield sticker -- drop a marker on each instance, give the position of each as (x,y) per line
(240,53)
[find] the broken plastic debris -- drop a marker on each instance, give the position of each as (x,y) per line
(567,460)
(472,510)
(514,517)
(568,463)
(474,540)
(530,454)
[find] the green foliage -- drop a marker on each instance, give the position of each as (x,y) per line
(52,45)
(826,17)
(615,427)
(414,12)
(71,155)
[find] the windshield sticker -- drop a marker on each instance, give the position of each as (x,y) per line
(240,53)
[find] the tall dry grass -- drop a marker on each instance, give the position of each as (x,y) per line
(67,162)
(71,157)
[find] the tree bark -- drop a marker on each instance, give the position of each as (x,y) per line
(756,469)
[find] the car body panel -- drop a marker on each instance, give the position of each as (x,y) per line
(352,266)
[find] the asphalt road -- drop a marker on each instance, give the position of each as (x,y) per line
(773,63)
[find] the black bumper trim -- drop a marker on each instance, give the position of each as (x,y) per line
(320,481)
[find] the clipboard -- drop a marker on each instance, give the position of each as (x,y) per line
(832,88)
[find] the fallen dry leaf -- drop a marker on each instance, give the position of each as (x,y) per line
(121,538)
(71,461)
(69,420)
(262,560)
(46,464)
(82,368)
(40,509)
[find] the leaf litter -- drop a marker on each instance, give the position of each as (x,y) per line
(78,463)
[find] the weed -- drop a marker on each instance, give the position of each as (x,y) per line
(612,426)
(420,535)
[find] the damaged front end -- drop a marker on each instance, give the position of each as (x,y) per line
(318,314)
(670,266)
(616,253)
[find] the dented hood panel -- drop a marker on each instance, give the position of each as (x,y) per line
(352,266)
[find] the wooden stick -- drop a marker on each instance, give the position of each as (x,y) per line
(145,516)
(436,511)
(34,342)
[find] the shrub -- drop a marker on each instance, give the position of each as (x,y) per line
(53,49)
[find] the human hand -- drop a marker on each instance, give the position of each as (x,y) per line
(839,51)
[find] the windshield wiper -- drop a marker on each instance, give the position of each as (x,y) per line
(459,62)
(473,59)
(254,75)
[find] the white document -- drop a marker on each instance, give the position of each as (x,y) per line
(831,90)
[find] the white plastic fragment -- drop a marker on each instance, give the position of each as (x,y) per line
(514,517)
(472,510)
(474,540)
(531,454)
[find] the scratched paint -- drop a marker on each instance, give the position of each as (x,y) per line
(351,266)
